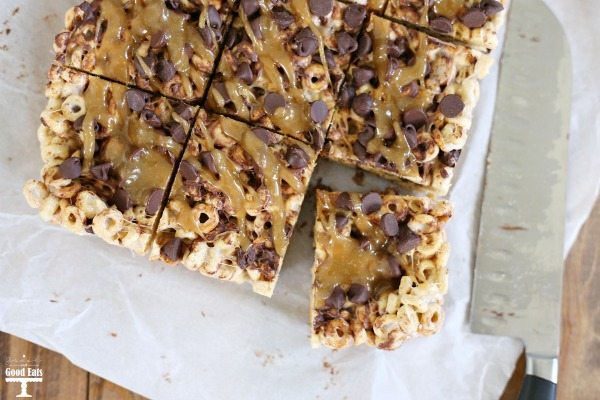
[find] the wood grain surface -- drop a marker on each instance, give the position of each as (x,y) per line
(580,345)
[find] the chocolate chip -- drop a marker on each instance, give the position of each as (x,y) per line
(244,73)
(449,158)
(188,171)
(136,99)
(359,150)
(320,8)
(362,76)
(371,203)
(208,162)
(362,104)
(318,111)
(316,138)
(165,70)
(336,299)
(282,17)
(172,4)
(344,201)
(296,157)
(474,18)
(101,171)
(177,132)
(491,7)
(273,101)
(451,105)
(154,201)
(397,49)
(70,168)
(365,136)
(346,96)
(122,200)
(345,43)
(389,224)
(151,118)
(415,117)
(232,37)
(186,112)
(341,221)
(394,267)
(158,40)
(407,239)
(410,134)
(358,294)
(365,44)
(250,7)
(206,35)
(441,24)
(214,19)
(173,250)
(220,87)
(306,42)
(256,28)
(355,15)
(412,89)
(78,123)
(265,136)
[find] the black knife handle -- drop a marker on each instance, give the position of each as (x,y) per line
(536,388)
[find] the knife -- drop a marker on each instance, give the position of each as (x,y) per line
(519,264)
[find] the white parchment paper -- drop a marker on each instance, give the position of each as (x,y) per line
(169,333)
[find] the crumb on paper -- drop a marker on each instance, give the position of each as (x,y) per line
(507,227)
(203,314)
(15,11)
(4,48)
(267,359)
(167,377)
(88,299)
(53,301)
(113,334)
(359,177)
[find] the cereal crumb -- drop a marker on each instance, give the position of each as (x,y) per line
(359,177)
(16,11)
(113,334)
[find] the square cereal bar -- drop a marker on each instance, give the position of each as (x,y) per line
(108,154)
(164,46)
(406,106)
(379,276)
(474,22)
(234,202)
(283,63)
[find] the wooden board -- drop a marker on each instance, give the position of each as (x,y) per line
(580,346)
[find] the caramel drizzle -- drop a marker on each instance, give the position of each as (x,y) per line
(300,8)
(389,100)
(106,105)
(154,17)
(294,117)
(447,8)
(345,262)
(230,183)
(113,53)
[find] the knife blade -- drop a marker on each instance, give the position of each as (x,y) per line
(519,263)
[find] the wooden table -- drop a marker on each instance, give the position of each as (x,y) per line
(579,363)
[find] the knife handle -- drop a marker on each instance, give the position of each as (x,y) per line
(536,388)
(540,379)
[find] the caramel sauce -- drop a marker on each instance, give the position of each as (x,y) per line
(390,101)
(106,105)
(153,16)
(112,56)
(240,195)
(447,8)
(345,262)
(294,118)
